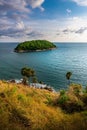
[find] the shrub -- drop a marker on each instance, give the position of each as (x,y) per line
(86,89)
(62,92)
(49,100)
(75,89)
(84,98)
(71,107)
(63,99)
(67,103)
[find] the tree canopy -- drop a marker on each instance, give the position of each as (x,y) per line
(27,73)
(34,45)
(68,75)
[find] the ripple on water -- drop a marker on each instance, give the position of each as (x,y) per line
(50,66)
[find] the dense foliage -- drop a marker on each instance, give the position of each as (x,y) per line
(68,75)
(74,99)
(27,73)
(34,45)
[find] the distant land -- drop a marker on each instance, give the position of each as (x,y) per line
(34,45)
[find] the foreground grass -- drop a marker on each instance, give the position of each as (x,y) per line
(26,108)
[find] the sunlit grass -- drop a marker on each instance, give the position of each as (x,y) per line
(28,108)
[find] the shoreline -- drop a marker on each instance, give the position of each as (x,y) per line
(34,85)
(26,51)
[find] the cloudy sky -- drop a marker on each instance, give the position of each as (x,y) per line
(54,20)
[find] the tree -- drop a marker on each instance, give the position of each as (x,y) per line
(68,76)
(27,73)
(34,80)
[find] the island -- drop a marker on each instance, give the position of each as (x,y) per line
(34,45)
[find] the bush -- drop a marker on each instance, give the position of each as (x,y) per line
(86,89)
(71,107)
(75,89)
(63,99)
(62,92)
(84,98)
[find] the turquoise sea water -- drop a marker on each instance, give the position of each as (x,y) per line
(51,66)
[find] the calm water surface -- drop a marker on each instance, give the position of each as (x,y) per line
(51,66)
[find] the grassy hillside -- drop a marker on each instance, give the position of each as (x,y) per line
(26,108)
(34,45)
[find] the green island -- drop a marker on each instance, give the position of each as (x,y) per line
(34,45)
(29,108)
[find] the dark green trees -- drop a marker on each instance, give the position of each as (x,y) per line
(27,73)
(34,45)
(68,76)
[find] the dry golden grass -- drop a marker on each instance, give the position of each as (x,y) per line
(27,108)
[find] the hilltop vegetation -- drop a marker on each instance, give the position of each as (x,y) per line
(34,45)
(28,108)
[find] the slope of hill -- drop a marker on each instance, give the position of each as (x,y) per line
(27,108)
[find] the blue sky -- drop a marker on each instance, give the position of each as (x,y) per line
(54,20)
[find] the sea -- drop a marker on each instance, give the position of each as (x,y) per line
(50,66)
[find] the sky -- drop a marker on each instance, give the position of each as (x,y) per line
(53,20)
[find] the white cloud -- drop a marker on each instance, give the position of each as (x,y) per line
(18,31)
(68,11)
(17,5)
(67,29)
(20,6)
(20,25)
(36,4)
(13,17)
(81,2)
(74,29)
(15,25)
